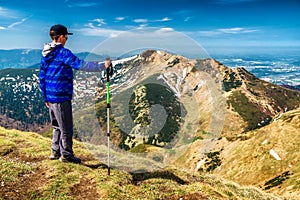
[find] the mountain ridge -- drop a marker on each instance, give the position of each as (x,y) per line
(251,107)
(241,88)
(30,58)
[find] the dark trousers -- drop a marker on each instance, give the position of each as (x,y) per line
(62,122)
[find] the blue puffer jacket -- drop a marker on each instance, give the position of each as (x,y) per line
(56,72)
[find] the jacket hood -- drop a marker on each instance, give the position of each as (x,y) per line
(49,49)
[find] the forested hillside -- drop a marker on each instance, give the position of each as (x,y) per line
(21,103)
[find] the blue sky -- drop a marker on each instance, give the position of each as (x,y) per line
(215,24)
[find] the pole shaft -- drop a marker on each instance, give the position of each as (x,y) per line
(108,129)
(108,143)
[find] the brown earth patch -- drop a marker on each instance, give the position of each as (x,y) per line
(191,196)
(26,186)
(85,189)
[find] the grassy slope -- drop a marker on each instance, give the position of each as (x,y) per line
(248,160)
(252,101)
(27,173)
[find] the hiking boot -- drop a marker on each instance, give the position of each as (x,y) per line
(54,156)
(71,159)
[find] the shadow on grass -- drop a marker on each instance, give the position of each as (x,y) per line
(139,176)
(142,176)
(95,166)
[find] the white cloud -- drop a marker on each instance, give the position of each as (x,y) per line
(102,32)
(17,23)
(222,31)
(120,18)
(165,30)
(12,25)
(94,27)
(95,23)
(9,17)
(99,21)
(3,12)
(187,19)
(150,38)
(236,30)
(91,30)
(165,19)
(82,4)
(140,20)
(141,26)
(6,13)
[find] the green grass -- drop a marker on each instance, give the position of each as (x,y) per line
(10,170)
(25,168)
(249,162)
(249,111)
(6,146)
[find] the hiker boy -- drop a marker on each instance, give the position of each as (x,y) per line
(56,83)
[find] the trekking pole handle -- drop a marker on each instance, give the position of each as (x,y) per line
(109,71)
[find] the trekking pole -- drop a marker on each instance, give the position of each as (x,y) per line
(109,72)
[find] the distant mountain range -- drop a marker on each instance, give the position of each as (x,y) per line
(19,58)
(281,70)
(277,69)
(30,58)
(296,87)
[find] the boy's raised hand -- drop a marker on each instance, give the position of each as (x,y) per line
(107,63)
